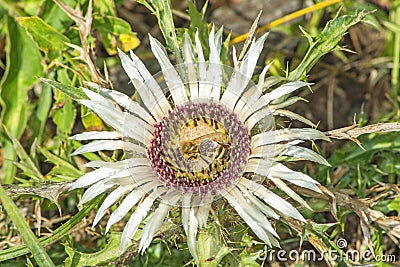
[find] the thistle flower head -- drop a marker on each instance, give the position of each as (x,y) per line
(199,131)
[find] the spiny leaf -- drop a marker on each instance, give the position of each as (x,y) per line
(162,10)
(197,23)
(325,42)
(73,92)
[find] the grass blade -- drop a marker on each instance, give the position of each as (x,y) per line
(26,163)
(38,252)
(14,252)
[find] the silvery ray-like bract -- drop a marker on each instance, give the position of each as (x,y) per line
(200,131)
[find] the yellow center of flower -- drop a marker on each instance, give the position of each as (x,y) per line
(205,144)
(199,144)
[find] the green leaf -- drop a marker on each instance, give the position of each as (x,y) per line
(210,248)
(37,250)
(325,42)
(14,263)
(108,253)
(197,23)
(55,16)
(90,120)
(26,163)
(111,25)
(73,92)
(225,50)
(22,68)
(45,36)
(163,12)
(115,32)
(391,26)
(372,143)
(61,165)
(60,232)
(64,113)
(249,259)
(395,205)
(39,118)
(106,7)
(314,233)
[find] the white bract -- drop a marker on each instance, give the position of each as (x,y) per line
(199,131)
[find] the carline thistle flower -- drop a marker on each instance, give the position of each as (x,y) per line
(200,131)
